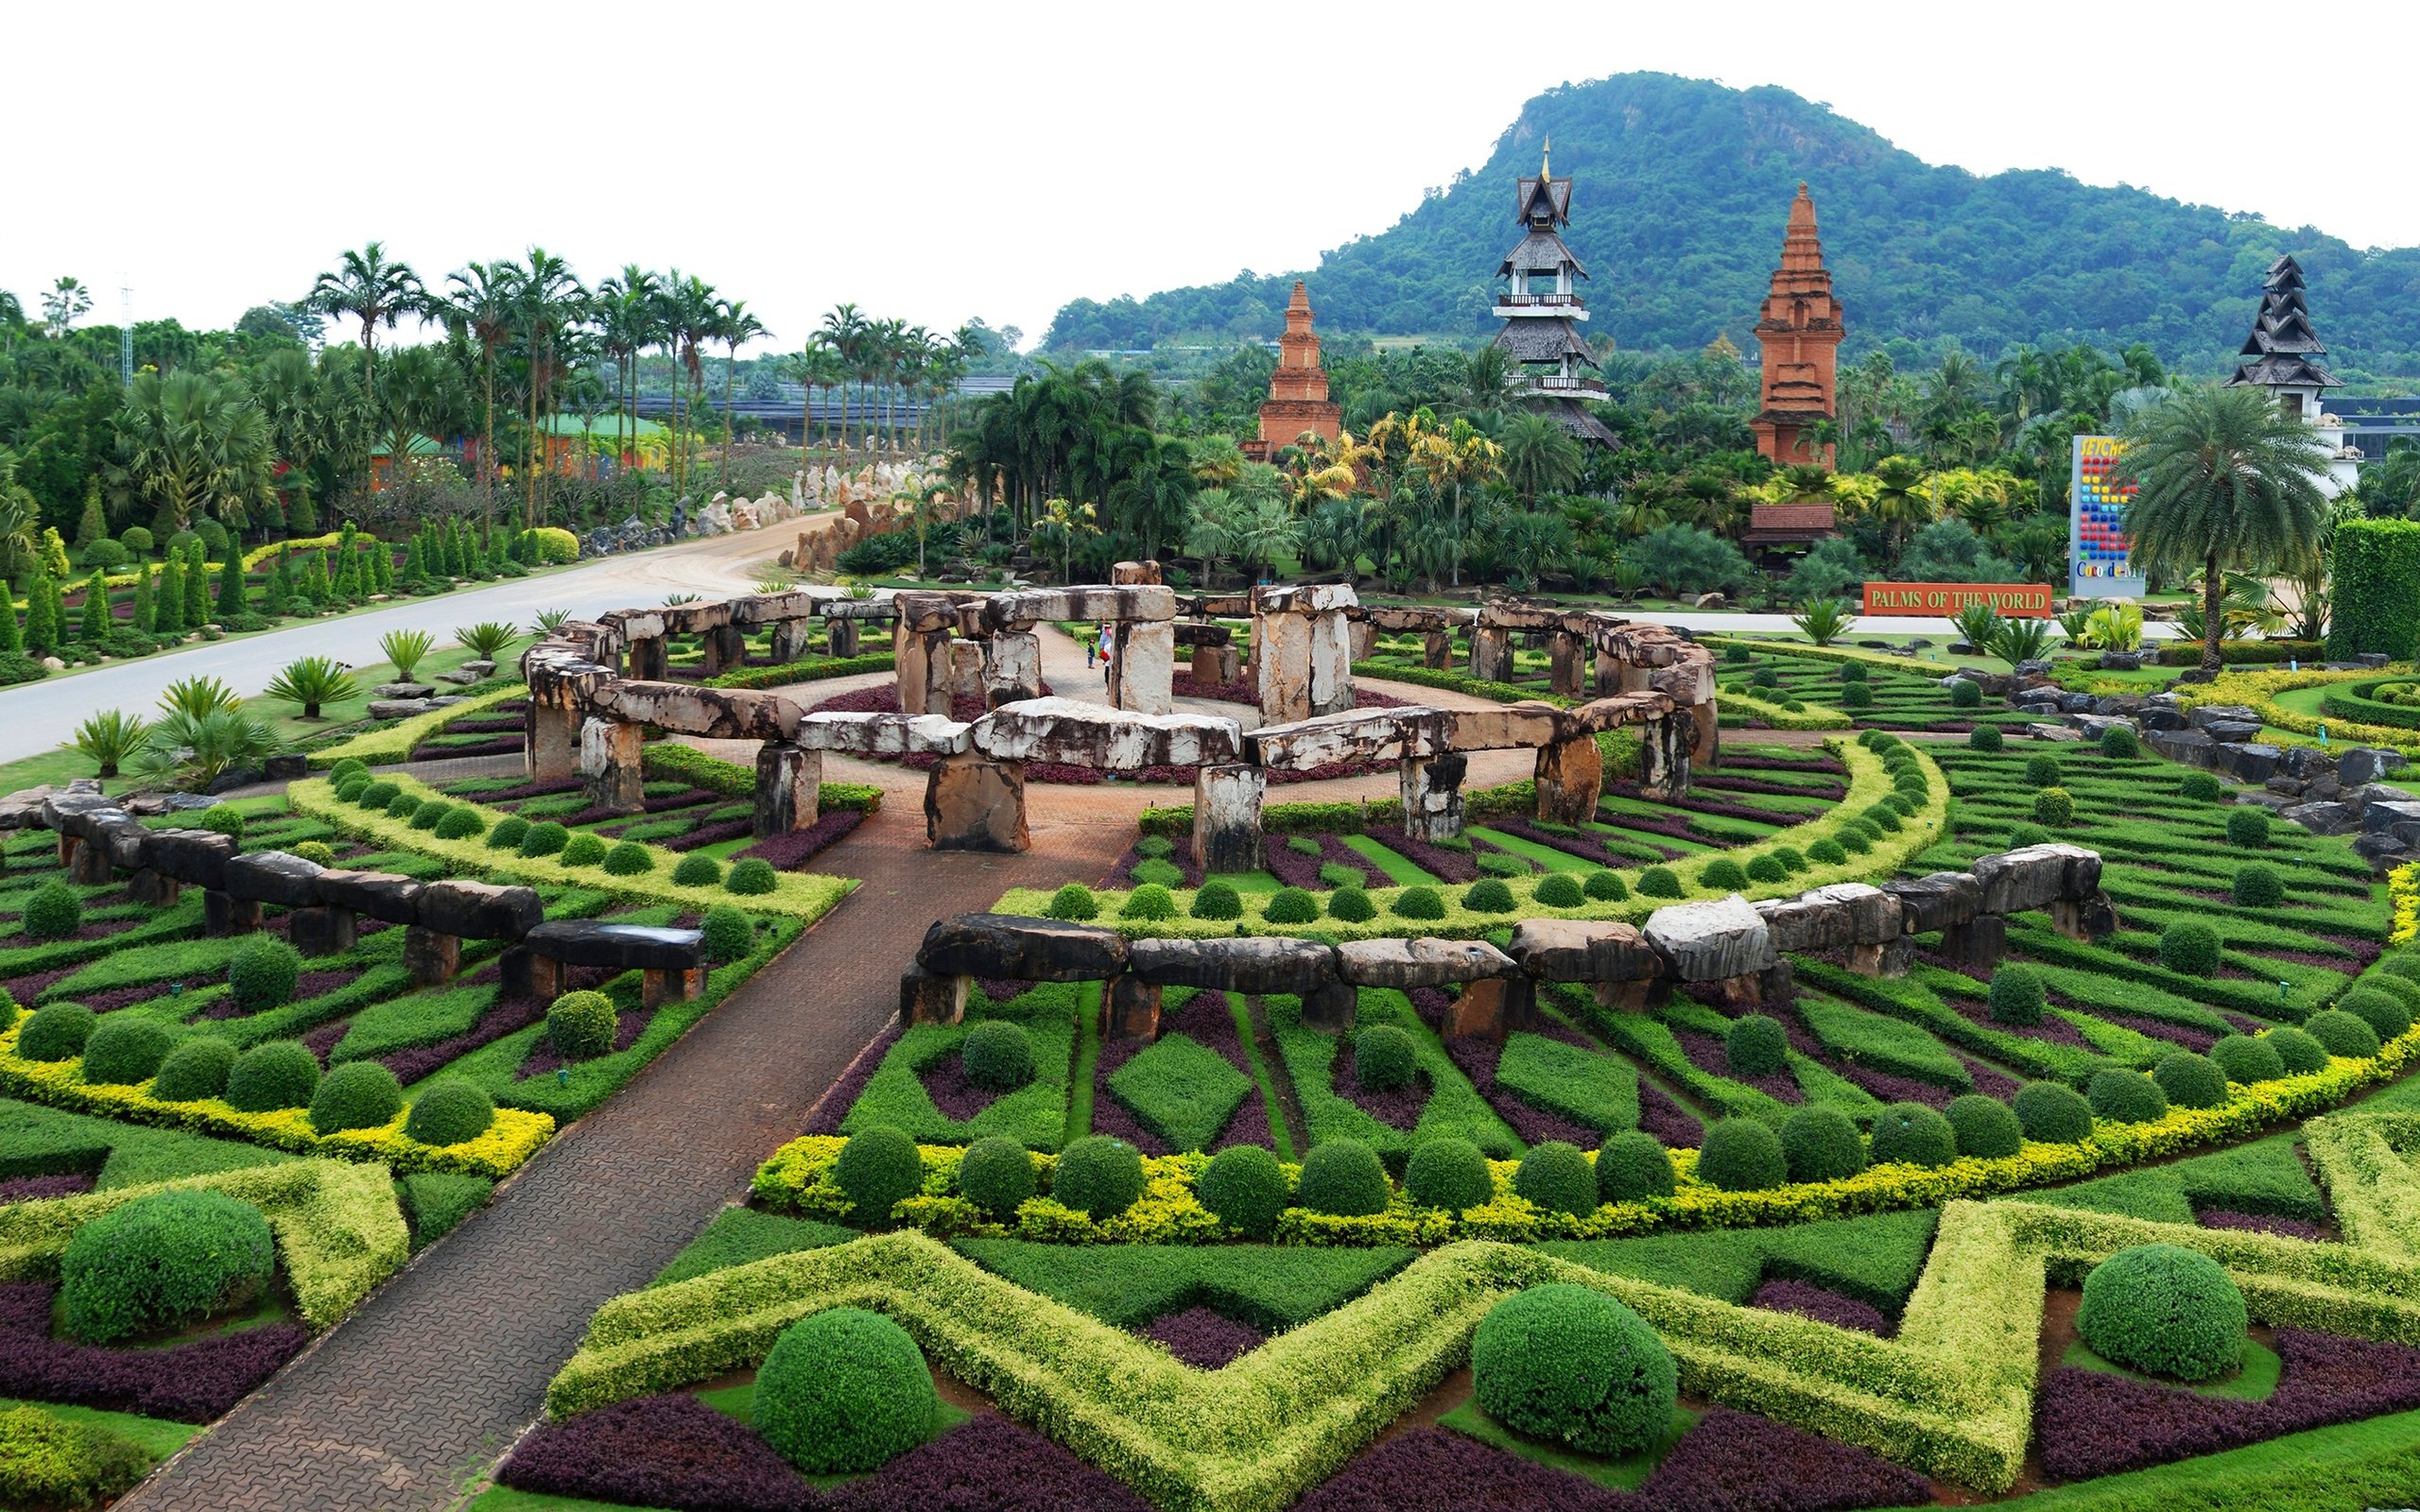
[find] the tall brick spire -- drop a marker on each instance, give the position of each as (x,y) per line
(1799,331)
(1298,399)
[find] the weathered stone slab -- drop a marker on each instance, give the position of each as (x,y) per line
(1431,790)
(1226,817)
(1020,948)
(1940,901)
(2324,818)
(1492,1008)
(1089,734)
(1512,727)
(2207,714)
(383,894)
(1572,950)
(1427,961)
(1357,735)
(274,877)
(1141,667)
(1257,964)
(623,947)
(884,735)
(1571,777)
(2189,746)
(929,997)
(479,910)
(1307,598)
(2246,762)
(1011,668)
(2367,764)
(973,803)
(1841,917)
(718,714)
(2035,876)
(789,789)
(1620,709)
(1098,602)
(1711,941)
(195,857)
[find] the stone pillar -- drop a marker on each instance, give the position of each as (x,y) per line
(726,648)
(1329,1008)
(973,803)
(430,955)
(67,844)
(1011,667)
(1890,958)
(1491,653)
(925,998)
(1432,795)
(523,973)
(1664,756)
(611,753)
(789,788)
(90,866)
(1624,997)
(1362,637)
(1231,665)
(790,640)
(1331,681)
(1494,1008)
(1566,657)
(1977,945)
(966,660)
(550,729)
(2088,918)
(840,637)
(923,660)
(659,985)
(152,886)
(647,660)
(1707,751)
(323,931)
(1134,574)
(1608,679)
(1204,668)
(1437,650)
(1226,817)
(1572,778)
(1129,1008)
(1144,654)
(225,914)
(1281,656)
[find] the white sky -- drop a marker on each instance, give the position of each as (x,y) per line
(936,161)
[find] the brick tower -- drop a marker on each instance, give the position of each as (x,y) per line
(1298,399)
(1799,331)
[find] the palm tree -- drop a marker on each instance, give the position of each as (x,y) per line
(690,313)
(1900,504)
(68,298)
(190,445)
(843,334)
(2223,478)
(627,317)
(551,298)
(1540,456)
(366,287)
(481,305)
(734,326)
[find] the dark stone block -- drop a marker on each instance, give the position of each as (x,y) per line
(1129,1008)
(2222,714)
(323,931)
(195,857)
(222,915)
(525,974)
(926,997)
(2246,763)
(479,910)
(382,895)
(1330,1010)
(2232,731)
(2189,746)
(1560,950)
(290,767)
(1260,964)
(274,877)
(431,956)
(2156,717)
(1940,901)
(1021,949)
(620,947)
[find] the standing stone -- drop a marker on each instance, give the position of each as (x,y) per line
(1978,944)
(1432,795)
(224,913)
(1437,650)
(647,660)
(323,931)
(1362,637)
(610,769)
(1129,1008)
(1231,665)
(789,788)
(1567,655)
(1142,667)
(840,637)
(152,886)
(966,660)
(1226,817)
(1572,778)
(1491,653)
(551,731)
(1134,574)
(1492,1007)
(726,648)
(921,660)
(926,997)
(1329,1008)
(1011,667)
(789,639)
(1664,756)
(972,803)
(431,956)
(1303,644)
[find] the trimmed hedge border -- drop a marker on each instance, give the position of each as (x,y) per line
(816,671)
(672,760)
(395,743)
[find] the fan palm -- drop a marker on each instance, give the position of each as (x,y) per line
(110,739)
(195,696)
(1823,621)
(311,681)
(405,648)
(199,749)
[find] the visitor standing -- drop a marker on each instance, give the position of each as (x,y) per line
(1105,677)
(1092,648)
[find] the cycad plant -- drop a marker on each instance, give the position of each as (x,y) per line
(486,639)
(311,681)
(2021,641)
(194,697)
(1978,626)
(197,749)
(110,739)
(1822,621)
(405,649)
(549,621)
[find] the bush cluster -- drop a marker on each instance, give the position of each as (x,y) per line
(1290,905)
(1073,900)
(2376,1006)
(1558,889)
(2248,1060)
(728,933)
(2188,1080)
(2341,1033)
(1985,737)
(2125,1096)
(1572,1366)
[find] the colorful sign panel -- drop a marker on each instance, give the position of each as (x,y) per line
(2028,601)
(2101,557)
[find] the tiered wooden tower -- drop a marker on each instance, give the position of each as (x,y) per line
(2282,344)
(1542,308)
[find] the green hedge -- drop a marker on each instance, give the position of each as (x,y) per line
(674,762)
(2357,702)
(2372,606)
(2244,653)
(816,670)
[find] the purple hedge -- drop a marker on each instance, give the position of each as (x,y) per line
(190,1382)
(1203,1339)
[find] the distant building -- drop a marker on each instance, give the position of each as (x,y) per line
(1798,332)
(1298,403)
(1542,307)
(2281,346)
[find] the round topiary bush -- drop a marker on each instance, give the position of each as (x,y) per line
(431,813)
(1819,1143)
(1632,1166)
(2053,1112)
(2166,1310)
(1558,1178)
(124,1050)
(1217,900)
(512,829)
(277,1073)
(2190,948)
(1659,882)
(163,1262)
(1352,904)
(843,1391)
(1385,1059)
(2247,1059)
(628,859)
(1755,1046)
(2256,886)
(2125,1096)
(349,789)
(996,1175)
(404,805)
(876,1170)
(58,1032)
(1851,839)
(261,973)
(2341,1033)
(547,839)
(1767,871)
(463,822)
(585,849)
(1244,1187)
(1558,889)
(2199,787)
(1572,1366)
(377,795)
(2188,1080)
(1985,1127)
(2042,771)
(1827,854)
(1912,1134)
(1344,1177)
(2248,828)
(452,1112)
(2118,742)
(53,912)
(2016,996)
(1489,895)
(350,766)
(1742,1155)
(752,877)
(1884,817)
(998,1055)
(2053,808)
(1722,872)
(1965,694)
(696,870)
(1073,900)
(1453,1173)
(1856,695)
(2373,1005)
(1149,900)
(581,1025)
(2296,1051)
(1985,737)
(729,934)
(1098,1176)
(358,1095)
(1290,905)
(2025,835)
(195,1069)
(1419,901)
(1605,887)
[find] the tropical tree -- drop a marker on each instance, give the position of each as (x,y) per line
(63,303)
(480,304)
(843,334)
(1540,456)
(369,288)
(190,446)
(734,326)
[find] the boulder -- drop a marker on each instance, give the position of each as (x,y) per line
(380,894)
(403,690)
(1512,727)
(2369,793)
(1712,941)
(2077,703)
(1359,735)
(399,708)
(1404,964)
(2308,762)
(2205,715)
(2056,735)
(621,947)
(1021,949)
(2033,877)
(2247,762)
(1835,917)
(2156,717)
(1572,950)
(2131,704)
(2189,746)
(2092,726)
(22,809)
(1942,900)
(2382,851)
(274,877)
(2232,731)
(2367,764)
(884,735)
(479,910)
(1258,964)
(2389,818)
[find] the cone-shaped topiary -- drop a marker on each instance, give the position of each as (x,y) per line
(2166,1310)
(996,1175)
(1572,1366)
(1098,1176)
(876,1170)
(1742,1155)
(843,1391)
(1558,1178)
(1820,1143)
(1344,1177)
(1244,1187)
(1452,1174)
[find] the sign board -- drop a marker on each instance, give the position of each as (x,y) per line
(2024,601)
(2101,557)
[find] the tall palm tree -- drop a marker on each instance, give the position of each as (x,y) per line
(368,287)
(550,299)
(627,317)
(844,332)
(193,445)
(480,304)
(2222,480)
(1540,456)
(734,326)
(691,311)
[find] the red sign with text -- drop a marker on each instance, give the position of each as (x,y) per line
(1943,600)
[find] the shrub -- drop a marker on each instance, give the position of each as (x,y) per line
(511,829)
(1764,678)
(2166,1310)
(996,1175)
(2042,771)
(2025,835)
(2118,742)
(729,934)
(124,1050)
(2052,1113)
(1914,1134)
(1659,882)
(1217,900)
(1605,887)
(461,821)
(1722,873)
(358,1095)
(752,877)
(1352,904)
(1827,854)
(1558,889)
(698,869)
(581,1025)
(163,1262)
(998,1055)
(430,815)
(349,789)
(1985,1127)
(2297,1051)
(2248,828)
(1453,1173)
(844,1390)
(1419,901)
(452,1111)
(547,839)
(1742,1155)
(1558,1178)
(274,1074)
(1631,1166)
(1158,846)
(626,859)
(1244,1187)
(1290,905)
(2256,886)
(378,795)
(47,1461)
(53,912)
(2341,1033)
(1819,1143)
(1098,1176)
(1755,1046)
(2382,1011)
(1489,896)
(1572,1366)
(876,1170)
(1344,1177)
(2188,1080)
(2201,786)
(222,818)
(2247,1059)
(58,1032)
(1985,737)
(404,805)
(1850,839)
(195,1069)
(1385,1059)
(2053,808)
(584,849)
(2016,996)
(1073,900)
(1856,695)
(1965,694)
(2190,948)
(350,768)
(263,973)
(1768,870)
(2125,1096)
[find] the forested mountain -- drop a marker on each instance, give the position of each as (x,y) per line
(1683,187)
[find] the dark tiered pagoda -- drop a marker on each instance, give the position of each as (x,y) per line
(1542,309)
(2282,345)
